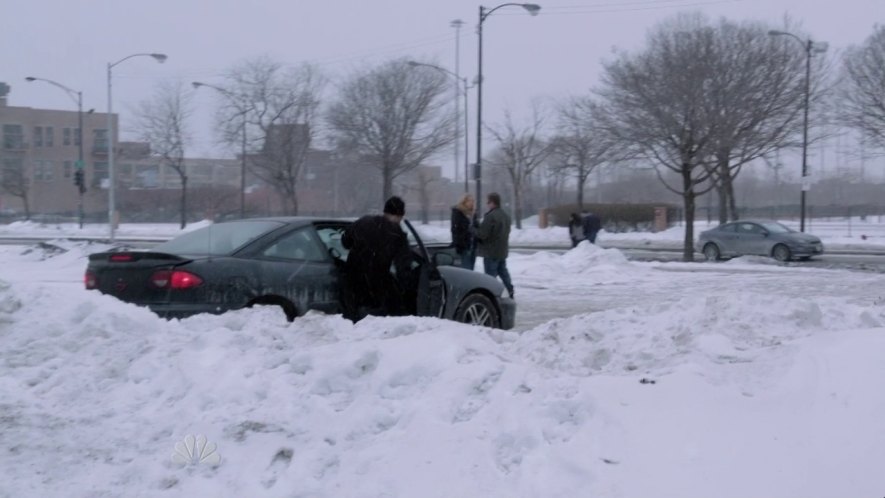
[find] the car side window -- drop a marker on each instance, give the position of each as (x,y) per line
(331,238)
(730,228)
(295,245)
(746,228)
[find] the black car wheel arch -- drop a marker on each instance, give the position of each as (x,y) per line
(287,306)
(478,309)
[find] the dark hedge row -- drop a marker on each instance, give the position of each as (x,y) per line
(616,217)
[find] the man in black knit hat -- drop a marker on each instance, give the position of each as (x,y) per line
(376,243)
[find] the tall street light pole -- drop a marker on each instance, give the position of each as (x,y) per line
(463,82)
(532,9)
(112,214)
(232,97)
(78,171)
(457,24)
(810,48)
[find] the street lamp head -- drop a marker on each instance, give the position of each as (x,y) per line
(532,8)
(30,78)
(196,84)
(161,58)
(457,23)
(775,32)
(413,63)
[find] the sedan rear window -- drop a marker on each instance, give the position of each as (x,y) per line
(218,240)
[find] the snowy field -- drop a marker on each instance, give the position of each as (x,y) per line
(623,379)
(838,234)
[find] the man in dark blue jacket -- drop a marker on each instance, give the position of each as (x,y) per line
(592,226)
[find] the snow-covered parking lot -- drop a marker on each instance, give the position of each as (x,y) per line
(622,379)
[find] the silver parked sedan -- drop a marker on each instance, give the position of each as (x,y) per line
(757,237)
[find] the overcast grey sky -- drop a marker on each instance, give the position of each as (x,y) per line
(552,55)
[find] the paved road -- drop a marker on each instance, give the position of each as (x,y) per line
(854,259)
(849,260)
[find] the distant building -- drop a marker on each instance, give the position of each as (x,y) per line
(39,150)
(38,153)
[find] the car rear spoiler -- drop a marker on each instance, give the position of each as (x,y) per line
(133,256)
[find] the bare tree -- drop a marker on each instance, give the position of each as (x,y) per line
(652,104)
(162,122)
(755,94)
(280,106)
(520,152)
(15,182)
(422,184)
(395,116)
(580,145)
(863,90)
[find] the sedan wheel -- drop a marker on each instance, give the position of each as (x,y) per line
(711,252)
(781,252)
(477,309)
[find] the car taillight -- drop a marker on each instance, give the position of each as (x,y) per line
(123,257)
(89,280)
(175,279)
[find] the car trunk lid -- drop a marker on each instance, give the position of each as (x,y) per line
(130,275)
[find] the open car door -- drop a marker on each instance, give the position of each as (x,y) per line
(431,288)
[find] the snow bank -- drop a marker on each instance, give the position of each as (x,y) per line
(682,396)
(729,329)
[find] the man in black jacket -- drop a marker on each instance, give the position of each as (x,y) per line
(375,243)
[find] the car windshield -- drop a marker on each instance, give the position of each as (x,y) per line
(775,227)
(219,239)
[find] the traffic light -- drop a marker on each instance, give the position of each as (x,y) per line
(80,180)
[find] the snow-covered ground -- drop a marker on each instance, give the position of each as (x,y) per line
(853,233)
(623,379)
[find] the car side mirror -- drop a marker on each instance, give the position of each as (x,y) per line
(765,233)
(443,259)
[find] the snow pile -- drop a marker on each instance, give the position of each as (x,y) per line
(317,407)
(736,328)
(685,394)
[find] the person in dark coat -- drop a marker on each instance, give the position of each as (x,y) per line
(592,226)
(375,243)
(464,230)
(576,229)
(494,241)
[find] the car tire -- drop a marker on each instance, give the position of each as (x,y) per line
(477,309)
(711,252)
(781,253)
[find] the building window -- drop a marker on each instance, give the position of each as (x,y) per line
(67,168)
(50,136)
(77,136)
(13,174)
(146,176)
(38,136)
(42,170)
(13,137)
(66,136)
(100,172)
(100,139)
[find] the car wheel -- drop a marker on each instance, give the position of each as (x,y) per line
(781,253)
(477,309)
(711,252)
